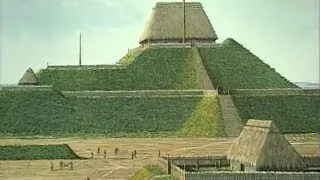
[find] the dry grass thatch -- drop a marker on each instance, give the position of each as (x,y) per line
(166,22)
(28,78)
(262,146)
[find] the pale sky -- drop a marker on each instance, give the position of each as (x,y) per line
(283,33)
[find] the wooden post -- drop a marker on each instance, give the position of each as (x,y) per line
(169,165)
(197,165)
(184,21)
(80,50)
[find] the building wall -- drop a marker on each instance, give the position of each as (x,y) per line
(311,161)
(176,172)
(201,160)
(251,175)
(236,166)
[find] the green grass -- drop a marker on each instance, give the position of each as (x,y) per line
(34,112)
(46,113)
(141,93)
(150,69)
(291,114)
(130,56)
(35,152)
(275,92)
(150,172)
(85,79)
(231,65)
(128,115)
(205,121)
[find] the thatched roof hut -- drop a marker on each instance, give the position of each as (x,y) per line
(261,147)
(166,24)
(28,78)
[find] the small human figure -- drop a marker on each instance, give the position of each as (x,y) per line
(116,151)
(91,155)
(132,154)
(51,167)
(98,152)
(61,164)
(159,154)
(135,153)
(71,165)
(104,154)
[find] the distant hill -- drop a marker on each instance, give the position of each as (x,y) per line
(307,85)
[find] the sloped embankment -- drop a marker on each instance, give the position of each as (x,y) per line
(116,113)
(150,172)
(34,112)
(36,152)
(155,68)
(229,64)
(291,113)
(205,120)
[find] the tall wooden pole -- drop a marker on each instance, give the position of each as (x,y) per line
(184,21)
(80,51)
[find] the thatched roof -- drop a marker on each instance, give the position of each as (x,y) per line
(28,78)
(261,145)
(166,22)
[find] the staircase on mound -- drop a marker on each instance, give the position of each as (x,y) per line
(205,81)
(231,120)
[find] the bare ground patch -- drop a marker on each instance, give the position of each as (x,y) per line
(121,166)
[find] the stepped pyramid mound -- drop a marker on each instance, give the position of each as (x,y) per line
(262,147)
(28,78)
(166,24)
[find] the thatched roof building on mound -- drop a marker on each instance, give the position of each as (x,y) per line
(166,24)
(261,147)
(28,78)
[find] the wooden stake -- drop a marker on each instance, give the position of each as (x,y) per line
(80,50)
(184,21)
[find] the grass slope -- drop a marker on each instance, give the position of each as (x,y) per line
(230,64)
(34,112)
(128,115)
(50,113)
(205,121)
(165,68)
(35,152)
(292,114)
(150,172)
(152,68)
(73,79)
